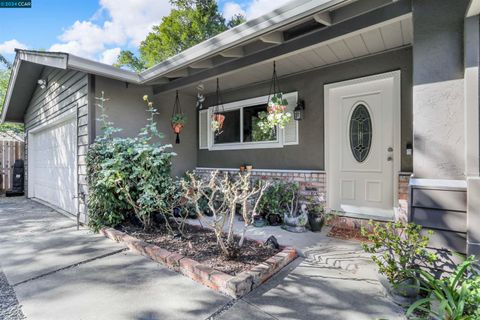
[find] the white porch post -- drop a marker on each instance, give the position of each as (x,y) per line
(472,133)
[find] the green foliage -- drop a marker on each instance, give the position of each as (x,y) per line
(276,114)
(189,23)
(127,58)
(4,80)
(259,135)
(129,175)
(398,248)
(178,119)
(456,297)
(277,198)
(236,20)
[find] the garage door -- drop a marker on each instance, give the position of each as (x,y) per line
(52,165)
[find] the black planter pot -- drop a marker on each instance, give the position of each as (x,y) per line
(274,220)
(316,222)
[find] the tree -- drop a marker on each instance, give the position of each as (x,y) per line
(128,59)
(189,23)
(236,20)
(4,80)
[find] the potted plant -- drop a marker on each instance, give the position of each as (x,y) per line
(178,122)
(273,204)
(397,249)
(316,213)
(276,115)
(316,217)
(296,216)
(217,122)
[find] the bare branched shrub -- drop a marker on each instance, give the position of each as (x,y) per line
(224,194)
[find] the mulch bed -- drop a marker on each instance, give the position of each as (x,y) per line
(201,245)
(347,234)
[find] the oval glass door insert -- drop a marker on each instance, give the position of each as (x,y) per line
(360,132)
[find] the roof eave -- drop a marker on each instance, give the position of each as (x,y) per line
(12,80)
(231,38)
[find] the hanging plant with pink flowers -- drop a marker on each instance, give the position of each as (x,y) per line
(276,114)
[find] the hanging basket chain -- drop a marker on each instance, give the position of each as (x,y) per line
(276,114)
(178,118)
(218,116)
(274,84)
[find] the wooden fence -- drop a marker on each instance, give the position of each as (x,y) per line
(12,147)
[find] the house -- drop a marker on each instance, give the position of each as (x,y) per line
(402,74)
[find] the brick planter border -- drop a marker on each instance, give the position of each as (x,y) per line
(233,286)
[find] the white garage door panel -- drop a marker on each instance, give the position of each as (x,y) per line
(53,165)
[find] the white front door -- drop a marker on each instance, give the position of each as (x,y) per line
(362,119)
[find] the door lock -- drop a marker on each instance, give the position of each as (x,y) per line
(390,149)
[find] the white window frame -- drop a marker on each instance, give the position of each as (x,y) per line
(240,105)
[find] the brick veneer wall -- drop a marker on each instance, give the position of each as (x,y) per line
(310,182)
(403,182)
(314,182)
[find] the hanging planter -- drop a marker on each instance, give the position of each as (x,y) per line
(218,116)
(178,119)
(277,114)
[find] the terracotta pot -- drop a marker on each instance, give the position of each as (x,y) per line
(177,127)
(220,118)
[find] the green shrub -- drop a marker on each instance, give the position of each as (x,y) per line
(277,198)
(398,248)
(456,297)
(106,206)
(129,175)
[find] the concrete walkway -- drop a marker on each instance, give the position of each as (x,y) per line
(334,279)
(58,272)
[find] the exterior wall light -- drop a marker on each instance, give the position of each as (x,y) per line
(299,111)
(42,83)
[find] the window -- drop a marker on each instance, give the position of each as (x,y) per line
(231,128)
(360,132)
(240,129)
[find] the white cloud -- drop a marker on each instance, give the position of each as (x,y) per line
(258,7)
(110,56)
(9,46)
(253,8)
(230,9)
(127,24)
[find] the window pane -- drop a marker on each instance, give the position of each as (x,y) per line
(251,130)
(360,133)
(230,133)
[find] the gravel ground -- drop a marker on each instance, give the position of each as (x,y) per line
(9,307)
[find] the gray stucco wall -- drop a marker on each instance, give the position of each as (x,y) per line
(186,151)
(125,107)
(127,110)
(309,154)
(66,90)
(438,93)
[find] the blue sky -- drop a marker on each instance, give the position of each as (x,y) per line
(97,29)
